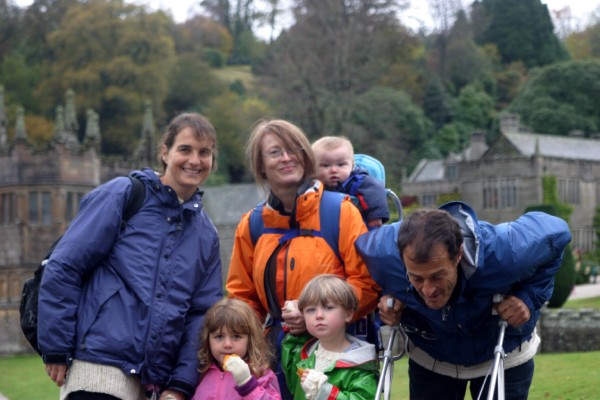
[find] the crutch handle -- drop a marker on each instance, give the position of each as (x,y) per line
(390,302)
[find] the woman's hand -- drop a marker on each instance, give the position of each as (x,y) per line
(293,318)
(57,372)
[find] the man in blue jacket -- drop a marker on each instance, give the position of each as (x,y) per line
(442,274)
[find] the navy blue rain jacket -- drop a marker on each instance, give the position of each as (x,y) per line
(518,258)
(133,298)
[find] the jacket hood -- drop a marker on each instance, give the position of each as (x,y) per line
(469,226)
(364,353)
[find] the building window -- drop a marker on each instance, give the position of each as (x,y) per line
(40,208)
(568,190)
(8,209)
(73,200)
(452,172)
(499,193)
(428,200)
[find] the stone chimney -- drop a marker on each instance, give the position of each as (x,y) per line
(478,145)
(509,123)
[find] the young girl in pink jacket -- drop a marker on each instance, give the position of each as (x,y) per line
(234,356)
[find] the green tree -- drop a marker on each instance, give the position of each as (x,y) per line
(385,123)
(585,44)
(232,117)
(200,35)
(239,17)
(562,97)
(20,79)
(115,56)
(521,29)
(334,52)
(191,86)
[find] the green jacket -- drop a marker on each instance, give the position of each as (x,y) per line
(354,376)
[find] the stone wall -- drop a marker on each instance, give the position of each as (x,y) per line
(567,330)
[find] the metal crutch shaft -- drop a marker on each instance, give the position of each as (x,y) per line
(498,358)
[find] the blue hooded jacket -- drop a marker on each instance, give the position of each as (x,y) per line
(132,297)
(518,258)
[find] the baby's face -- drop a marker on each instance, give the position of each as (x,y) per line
(334,166)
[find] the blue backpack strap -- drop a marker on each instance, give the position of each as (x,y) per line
(256,223)
(331,203)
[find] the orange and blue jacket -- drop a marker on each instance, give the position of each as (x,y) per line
(300,259)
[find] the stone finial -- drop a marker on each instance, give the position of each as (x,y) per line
(59,124)
(144,154)
(61,133)
(71,124)
(92,129)
(20,131)
(148,128)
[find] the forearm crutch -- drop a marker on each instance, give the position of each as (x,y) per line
(497,374)
(387,370)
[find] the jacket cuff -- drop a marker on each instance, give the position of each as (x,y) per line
(57,358)
(247,387)
(181,386)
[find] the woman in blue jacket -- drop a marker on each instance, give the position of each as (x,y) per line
(442,270)
(124,300)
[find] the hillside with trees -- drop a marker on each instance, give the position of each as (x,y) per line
(339,67)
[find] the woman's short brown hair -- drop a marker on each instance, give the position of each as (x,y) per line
(292,137)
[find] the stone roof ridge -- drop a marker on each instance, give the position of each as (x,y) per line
(575,148)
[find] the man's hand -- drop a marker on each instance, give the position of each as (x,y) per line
(390,310)
(513,310)
(57,372)
(293,318)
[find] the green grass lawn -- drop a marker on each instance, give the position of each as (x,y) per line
(561,376)
(564,376)
(592,302)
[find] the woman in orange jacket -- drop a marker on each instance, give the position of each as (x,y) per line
(271,273)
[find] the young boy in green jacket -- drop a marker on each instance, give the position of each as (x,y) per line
(328,363)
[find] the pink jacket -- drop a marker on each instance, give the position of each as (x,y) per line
(217,384)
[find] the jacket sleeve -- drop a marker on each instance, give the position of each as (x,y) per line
(83,246)
(359,384)
(373,199)
(240,282)
(208,291)
(357,274)
(267,388)
(291,349)
(530,251)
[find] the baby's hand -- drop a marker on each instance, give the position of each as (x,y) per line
(238,368)
(312,380)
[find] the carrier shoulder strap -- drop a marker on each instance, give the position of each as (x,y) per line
(135,200)
(329,216)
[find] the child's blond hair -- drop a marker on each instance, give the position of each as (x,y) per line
(238,317)
(328,288)
(329,143)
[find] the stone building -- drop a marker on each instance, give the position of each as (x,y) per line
(502,180)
